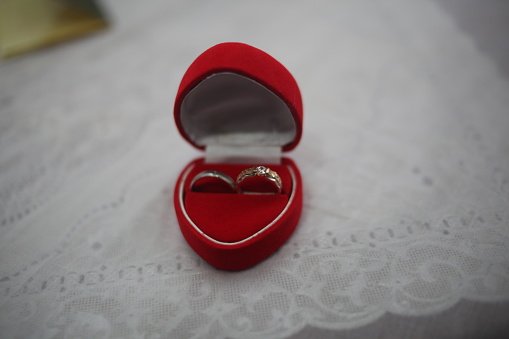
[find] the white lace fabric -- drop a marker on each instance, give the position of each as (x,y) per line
(405,162)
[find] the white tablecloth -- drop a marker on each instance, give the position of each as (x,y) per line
(405,160)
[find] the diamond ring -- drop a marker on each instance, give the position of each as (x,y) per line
(213,174)
(262,172)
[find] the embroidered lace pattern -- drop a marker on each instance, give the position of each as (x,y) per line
(406,210)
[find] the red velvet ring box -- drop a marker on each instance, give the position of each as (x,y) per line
(243,108)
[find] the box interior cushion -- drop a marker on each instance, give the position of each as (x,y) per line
(229,217)
(230,109)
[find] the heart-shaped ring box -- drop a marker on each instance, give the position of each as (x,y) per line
(243,108)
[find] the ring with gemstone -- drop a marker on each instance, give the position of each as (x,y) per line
(214,174)
(261,172)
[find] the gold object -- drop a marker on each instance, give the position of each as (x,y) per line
(259,171)
(26,25)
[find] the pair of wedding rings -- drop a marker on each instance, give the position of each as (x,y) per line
(262,172)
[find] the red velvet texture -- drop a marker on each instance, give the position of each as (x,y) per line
(248,61)
(226,221)
(228,230)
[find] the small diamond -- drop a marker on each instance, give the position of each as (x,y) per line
(260,170)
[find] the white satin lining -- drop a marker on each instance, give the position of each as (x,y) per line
(243,155)
(232,110)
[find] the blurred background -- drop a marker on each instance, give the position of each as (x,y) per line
(406,112)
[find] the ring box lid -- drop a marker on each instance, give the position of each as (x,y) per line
(235,95)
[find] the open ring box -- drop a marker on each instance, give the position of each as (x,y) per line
(243,108)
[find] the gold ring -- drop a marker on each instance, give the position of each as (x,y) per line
(259,171)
